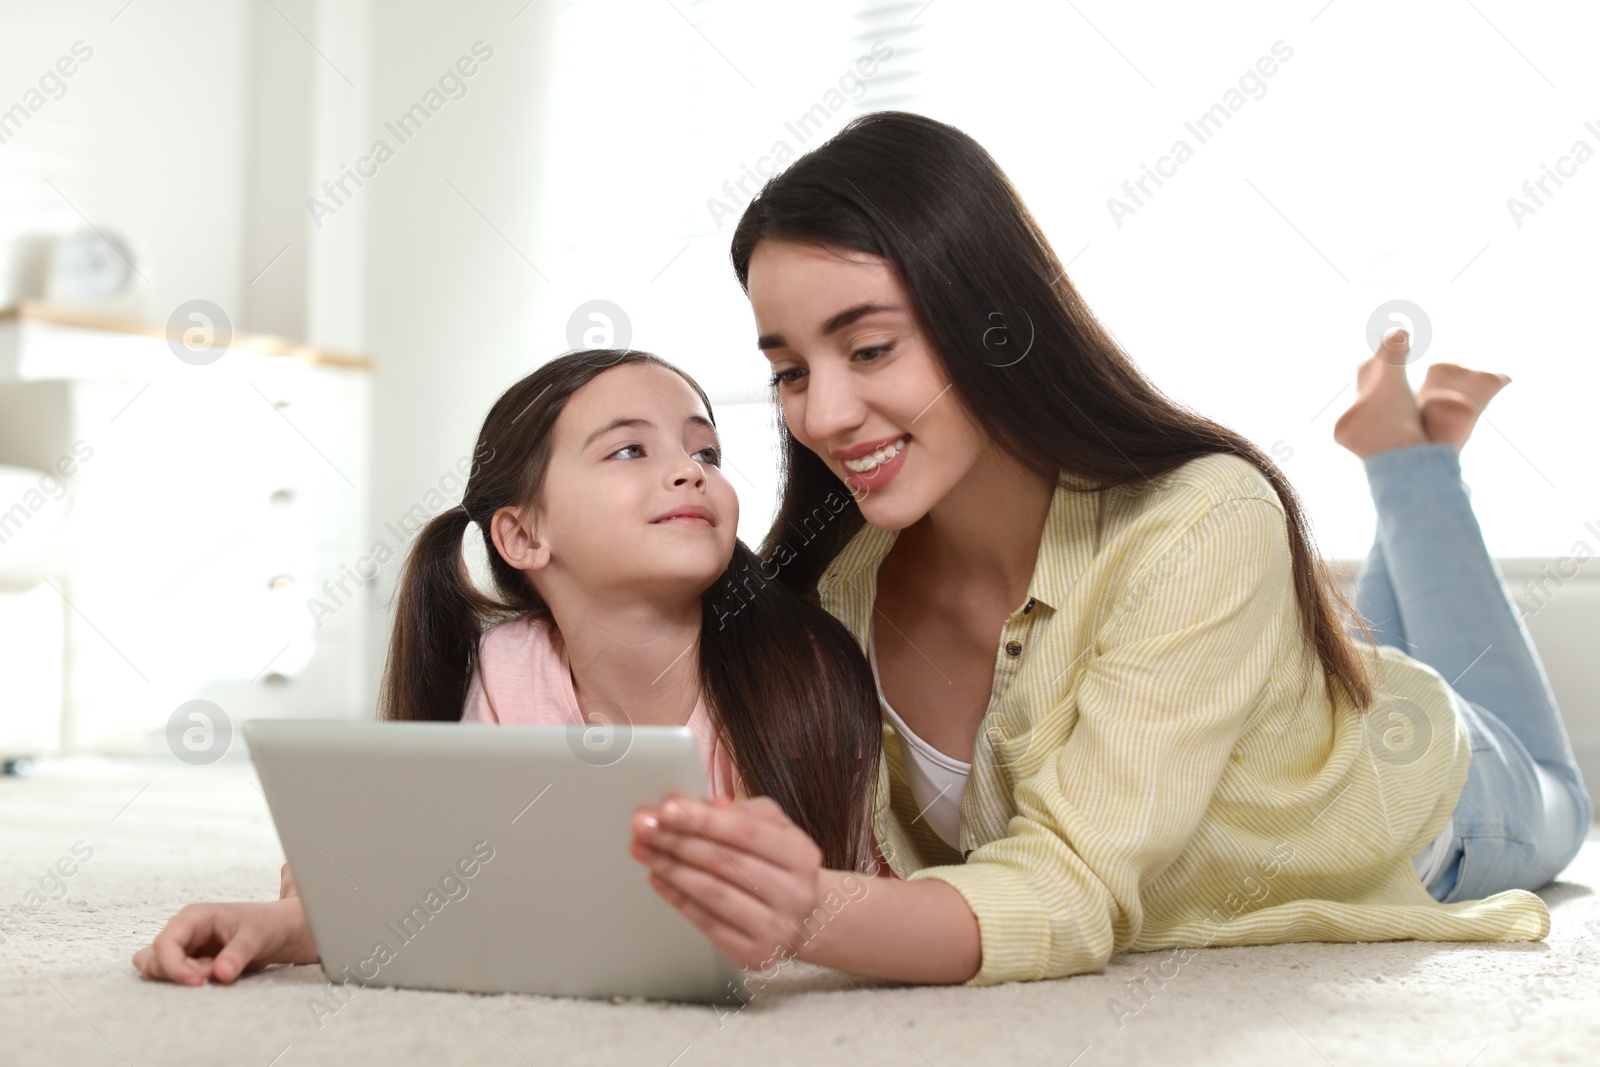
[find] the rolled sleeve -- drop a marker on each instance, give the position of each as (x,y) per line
(1181,664)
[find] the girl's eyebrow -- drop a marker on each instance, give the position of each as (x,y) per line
(834,323)
(643,423)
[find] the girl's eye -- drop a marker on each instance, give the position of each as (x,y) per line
(716,455)
(625,448)
(876,350)
(780,379)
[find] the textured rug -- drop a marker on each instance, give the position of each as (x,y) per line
(142,838)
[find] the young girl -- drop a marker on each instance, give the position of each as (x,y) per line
(623,597)
(1122,709)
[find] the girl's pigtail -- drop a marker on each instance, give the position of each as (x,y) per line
(438,619)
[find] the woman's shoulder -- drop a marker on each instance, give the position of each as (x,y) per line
(1212,479)
(1199,493)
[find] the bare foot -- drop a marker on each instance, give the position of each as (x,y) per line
(1384,415)
(1451,399)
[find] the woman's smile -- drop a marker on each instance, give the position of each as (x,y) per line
(877,469)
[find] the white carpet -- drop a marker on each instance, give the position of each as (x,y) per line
(163,834)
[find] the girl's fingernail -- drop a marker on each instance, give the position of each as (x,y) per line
(650,823)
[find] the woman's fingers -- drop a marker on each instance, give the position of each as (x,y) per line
(743,927)
(737,907)
(746,872)
(732,942)
(757,826)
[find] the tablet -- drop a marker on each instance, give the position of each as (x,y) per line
(485,858)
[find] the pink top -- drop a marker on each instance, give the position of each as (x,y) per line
(524,678)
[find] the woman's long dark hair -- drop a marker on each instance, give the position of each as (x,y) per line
(787,686)
(985,287)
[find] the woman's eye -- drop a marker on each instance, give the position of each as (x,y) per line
(872,354)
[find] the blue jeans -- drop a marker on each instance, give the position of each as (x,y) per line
(1430,588)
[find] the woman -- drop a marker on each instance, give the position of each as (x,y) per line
(1177,739)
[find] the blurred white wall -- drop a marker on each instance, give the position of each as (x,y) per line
(451,298)
(146,137)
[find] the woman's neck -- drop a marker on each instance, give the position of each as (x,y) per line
(985,531)
(639,662)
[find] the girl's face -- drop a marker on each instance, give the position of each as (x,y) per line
(635,501)
(858,379)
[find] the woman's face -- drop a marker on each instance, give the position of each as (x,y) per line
(632,446)
(858,380)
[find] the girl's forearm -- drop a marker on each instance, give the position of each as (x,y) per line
(888,928)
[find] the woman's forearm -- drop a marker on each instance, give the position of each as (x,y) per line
(919,931)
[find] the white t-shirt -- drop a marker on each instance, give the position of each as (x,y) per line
(937,780)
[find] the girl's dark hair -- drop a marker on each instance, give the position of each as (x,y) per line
(1027,357)
(784,681)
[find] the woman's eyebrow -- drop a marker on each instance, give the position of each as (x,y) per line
(833,325)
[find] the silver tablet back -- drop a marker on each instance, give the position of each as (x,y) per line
(484,858)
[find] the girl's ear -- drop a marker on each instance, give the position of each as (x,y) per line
(517,541)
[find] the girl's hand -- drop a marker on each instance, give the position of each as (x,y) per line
(286,886)
(741,871)
(223,941)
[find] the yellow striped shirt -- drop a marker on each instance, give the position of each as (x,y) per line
(1160,764)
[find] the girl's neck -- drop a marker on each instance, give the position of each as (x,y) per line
(638,663)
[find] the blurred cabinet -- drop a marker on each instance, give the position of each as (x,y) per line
(209,505)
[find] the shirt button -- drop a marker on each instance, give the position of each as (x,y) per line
(1028,606)
(1013,648)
